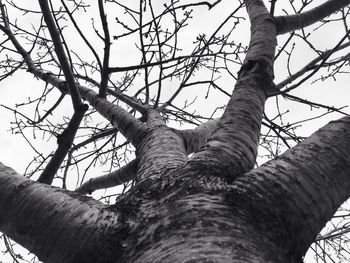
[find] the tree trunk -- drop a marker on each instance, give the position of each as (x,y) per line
(183,217)
(270,214)
(192,219)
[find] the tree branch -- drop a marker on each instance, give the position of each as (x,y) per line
(195,138)
(107,42)
(82,34)
(130,101)
(309,181)
(127,124)
(65,142)
(66,67)
(289,23)
(161,149)
(233,145)
(115,178)
(312,65)
(45,219)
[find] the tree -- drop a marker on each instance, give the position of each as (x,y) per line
(196,195)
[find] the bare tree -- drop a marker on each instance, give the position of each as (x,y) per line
(189,195)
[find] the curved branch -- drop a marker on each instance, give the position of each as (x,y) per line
(118,177)
(307,184)
(289,23)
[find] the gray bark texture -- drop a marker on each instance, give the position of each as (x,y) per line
(210,207)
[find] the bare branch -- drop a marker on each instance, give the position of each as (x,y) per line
(115,178)
(66,67)
(65,142)
(289,23)
(124,121)
(107,48)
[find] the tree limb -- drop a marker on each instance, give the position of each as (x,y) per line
(289,23)
(65,142)
(115,178)
(107,48)
(44,219)
(61,55)
(127,124)
(234,143)
(309,181)
(312,65)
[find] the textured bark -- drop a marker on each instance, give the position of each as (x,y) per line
(234,143)
(126,123)
(57,225)
(301,190)
(161,149)
(190,216)
(194,139)
(270,214)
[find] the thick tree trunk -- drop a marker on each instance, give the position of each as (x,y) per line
(270,214)
(181,217)
(188,217)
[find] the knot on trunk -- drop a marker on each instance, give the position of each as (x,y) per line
(261,70)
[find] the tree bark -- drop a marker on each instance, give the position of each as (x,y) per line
(58,225)
(301,190)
